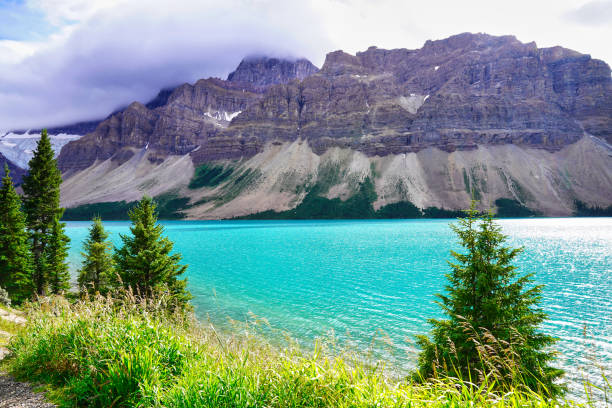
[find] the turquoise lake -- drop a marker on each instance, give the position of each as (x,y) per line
(372,283)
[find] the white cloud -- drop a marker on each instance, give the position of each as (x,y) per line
(354,25)
(106,57)
(59,12)
(107,53)
(592,13)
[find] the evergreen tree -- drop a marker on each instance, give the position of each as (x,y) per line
(41,189)
(144,262)
(56,267)
(97,270)
(492,315)
(15,265)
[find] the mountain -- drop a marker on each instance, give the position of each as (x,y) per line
(17,173)
(470,116)
(79,128)
(19,148)
(190,115)
(263,71)
(18,145)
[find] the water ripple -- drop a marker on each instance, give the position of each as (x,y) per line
(371,279)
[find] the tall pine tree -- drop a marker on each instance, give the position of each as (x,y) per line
(144,262)
(97,270)
(41,189)
(15,264)
(492,315)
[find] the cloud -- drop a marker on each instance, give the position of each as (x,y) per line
(101,58)
(596,12)
(60,12)
(87,58)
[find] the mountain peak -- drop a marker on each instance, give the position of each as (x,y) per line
(264,71)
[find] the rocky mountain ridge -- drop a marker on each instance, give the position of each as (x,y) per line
(180,120)
(452,94)
(265,71)
(470,92)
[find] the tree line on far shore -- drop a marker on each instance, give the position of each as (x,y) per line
(34,245)
(492,314)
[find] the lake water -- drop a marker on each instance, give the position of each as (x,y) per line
(372,283)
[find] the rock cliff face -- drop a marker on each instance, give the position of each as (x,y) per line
(190,114)
(180,120)
(263,71)
(461,104)
(467,90)
(17,173)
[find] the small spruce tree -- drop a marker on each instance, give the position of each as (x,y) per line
(492,315)
(41,187)
(144,262)
(56,267)
(97,270)
(15,264)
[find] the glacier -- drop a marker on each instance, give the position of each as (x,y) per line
(19,148)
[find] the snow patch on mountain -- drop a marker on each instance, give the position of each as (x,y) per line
(19,148)
(413,102)
(222,115)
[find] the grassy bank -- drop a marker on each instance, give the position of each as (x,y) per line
(105,353)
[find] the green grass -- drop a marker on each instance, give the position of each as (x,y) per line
(106,353)
(8,326)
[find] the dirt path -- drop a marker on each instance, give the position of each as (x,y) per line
(15,394)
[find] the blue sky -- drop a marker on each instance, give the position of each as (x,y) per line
(20,22)
(68,60)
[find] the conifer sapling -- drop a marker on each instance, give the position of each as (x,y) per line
(492,315)
(56,267)
(97,270)
(144,262)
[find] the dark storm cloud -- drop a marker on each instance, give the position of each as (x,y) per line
(596,12)
(129,53)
